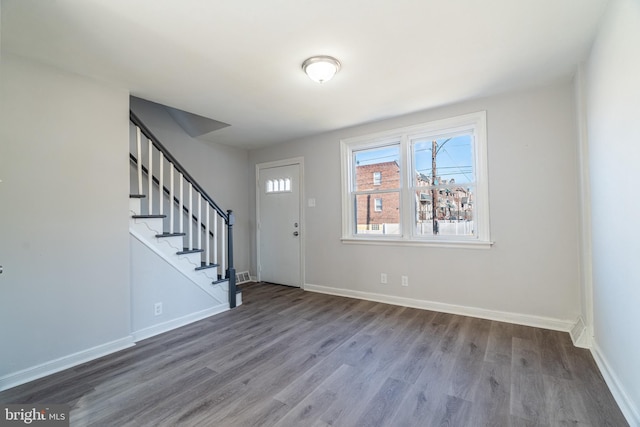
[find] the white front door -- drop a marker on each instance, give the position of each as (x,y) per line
(279,224)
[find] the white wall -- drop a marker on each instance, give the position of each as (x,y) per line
(613,116)
(221,170)
(64,244)
(533,268)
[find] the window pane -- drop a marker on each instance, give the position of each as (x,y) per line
(454,211)
(453,160)
(384,160)
(377,178)
(370,220)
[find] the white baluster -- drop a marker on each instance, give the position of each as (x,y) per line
(150,178)
(189,217)
(181,204)
(199,216)
(215,237)
(139,157)
(223,247)
(171,208)
(161,184)
(206,235)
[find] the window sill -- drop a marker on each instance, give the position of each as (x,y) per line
(463,244)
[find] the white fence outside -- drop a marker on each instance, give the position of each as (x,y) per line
(424,228)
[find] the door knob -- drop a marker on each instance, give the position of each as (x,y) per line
(295,233)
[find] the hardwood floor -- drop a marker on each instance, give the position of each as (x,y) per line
(292,358)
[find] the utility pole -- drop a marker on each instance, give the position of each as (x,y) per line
(368,212)
(434,191)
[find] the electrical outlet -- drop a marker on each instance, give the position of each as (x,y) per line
(157,308)
(405,280)
(383,278)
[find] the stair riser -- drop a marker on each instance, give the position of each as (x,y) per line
(148,226)
(135,206)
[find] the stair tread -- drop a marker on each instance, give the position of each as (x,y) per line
(148,216)
(204,266)
(189,251)
(170,234)
(137,196)
(215,282)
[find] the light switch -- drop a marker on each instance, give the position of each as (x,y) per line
(312,203)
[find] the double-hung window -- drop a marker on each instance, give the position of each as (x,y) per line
(429,184)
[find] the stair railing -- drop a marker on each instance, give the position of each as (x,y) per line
(206,222)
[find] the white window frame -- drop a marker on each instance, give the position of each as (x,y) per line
(377,208)
(474,123)
(379,180)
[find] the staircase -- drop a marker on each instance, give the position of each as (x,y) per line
(173,216)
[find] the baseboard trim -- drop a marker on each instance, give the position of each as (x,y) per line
(627,406)
(51,367)
(502,316)
(62,363)
(169,325)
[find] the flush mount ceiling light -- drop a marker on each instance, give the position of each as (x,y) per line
(321,68)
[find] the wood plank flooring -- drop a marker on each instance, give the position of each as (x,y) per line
(292,358)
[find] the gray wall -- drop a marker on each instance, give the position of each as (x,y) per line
(532,269)
(221,170)
(63,215)
(155,280)
(613,112)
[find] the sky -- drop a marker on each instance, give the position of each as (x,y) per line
(454,158)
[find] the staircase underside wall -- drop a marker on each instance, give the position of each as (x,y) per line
(153,280)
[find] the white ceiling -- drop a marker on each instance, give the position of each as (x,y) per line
(239,61)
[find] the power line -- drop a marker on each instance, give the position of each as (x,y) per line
(465,175)
(370,161)
(446,167)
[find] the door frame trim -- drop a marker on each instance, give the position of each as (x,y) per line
(274,164)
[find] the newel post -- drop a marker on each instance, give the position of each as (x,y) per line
(231,271)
